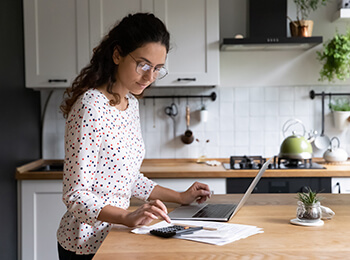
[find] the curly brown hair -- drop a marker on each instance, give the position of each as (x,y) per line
(132,32)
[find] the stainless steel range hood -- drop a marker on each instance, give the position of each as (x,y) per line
(267,29)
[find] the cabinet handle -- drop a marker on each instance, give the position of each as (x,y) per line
(186,79)
(57,80)
(338,184)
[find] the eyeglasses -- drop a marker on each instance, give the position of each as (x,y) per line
(143,67)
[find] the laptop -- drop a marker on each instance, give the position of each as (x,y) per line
(216,212)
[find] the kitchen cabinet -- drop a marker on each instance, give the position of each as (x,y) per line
(59,37)
(194,53)
(40,211)
(104,14)
(193,59)
(56,41)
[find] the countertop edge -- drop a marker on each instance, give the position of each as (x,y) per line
(181,168)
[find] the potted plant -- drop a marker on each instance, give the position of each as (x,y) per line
(302,27)
(335,58)
(340,108)
(309,208)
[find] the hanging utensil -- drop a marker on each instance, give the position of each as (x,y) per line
(203,113)
(187,137)
(172,112)
(154,113)
(322,141)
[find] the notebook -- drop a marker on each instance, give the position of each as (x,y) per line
(216,212)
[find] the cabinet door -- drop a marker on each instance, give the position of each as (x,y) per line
(341,185)
(56,41)
(193,59)
(104,14)
(41,210)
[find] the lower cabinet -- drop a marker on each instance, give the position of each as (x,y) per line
(341,185)
(40,211)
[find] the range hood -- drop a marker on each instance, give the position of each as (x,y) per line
(267,29)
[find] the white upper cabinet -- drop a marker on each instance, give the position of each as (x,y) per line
(104,14)
(193,59)
(56,41)
(60,37)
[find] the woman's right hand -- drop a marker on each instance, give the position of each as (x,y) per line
(146,214)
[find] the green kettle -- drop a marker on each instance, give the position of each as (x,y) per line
(295,146)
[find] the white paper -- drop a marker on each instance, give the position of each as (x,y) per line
(225,233)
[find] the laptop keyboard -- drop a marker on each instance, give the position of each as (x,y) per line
(214,211)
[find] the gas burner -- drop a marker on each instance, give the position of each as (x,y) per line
(246,162)
(293,163)
(287,163)
(256,162)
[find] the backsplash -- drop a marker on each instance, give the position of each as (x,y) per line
(242,120)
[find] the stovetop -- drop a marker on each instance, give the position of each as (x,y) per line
(256,162)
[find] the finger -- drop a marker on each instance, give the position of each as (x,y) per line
(202,186)
(201,200)
(150,215)
(160,205)
(159,212)
(203,193)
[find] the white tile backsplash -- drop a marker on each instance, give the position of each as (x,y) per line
(286,94)
(271,108)
(286,108)
(243,120)
(257,108)
(241,94)
(271,93)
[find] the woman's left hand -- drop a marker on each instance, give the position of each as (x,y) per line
(198,191)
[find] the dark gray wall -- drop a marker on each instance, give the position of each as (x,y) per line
(20,121)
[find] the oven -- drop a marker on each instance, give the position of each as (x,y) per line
(276,184)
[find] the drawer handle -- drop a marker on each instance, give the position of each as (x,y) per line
(57,80)
(186,79)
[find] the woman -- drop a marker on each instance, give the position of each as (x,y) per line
(103,143)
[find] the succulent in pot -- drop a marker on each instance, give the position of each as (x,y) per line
(309,207)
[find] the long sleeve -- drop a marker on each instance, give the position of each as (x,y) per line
(83,142)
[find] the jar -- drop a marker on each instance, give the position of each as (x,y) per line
(309,213)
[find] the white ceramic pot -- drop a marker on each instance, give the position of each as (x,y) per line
(341,119)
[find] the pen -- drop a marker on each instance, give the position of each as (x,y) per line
(204,228)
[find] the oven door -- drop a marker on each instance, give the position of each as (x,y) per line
(280,185)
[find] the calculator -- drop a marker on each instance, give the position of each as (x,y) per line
(173,230)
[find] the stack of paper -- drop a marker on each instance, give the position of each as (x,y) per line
(225,232)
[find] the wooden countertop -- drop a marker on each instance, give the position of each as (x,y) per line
(280,240)
(188,168)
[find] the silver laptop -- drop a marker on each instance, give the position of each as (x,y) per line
(216,212)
